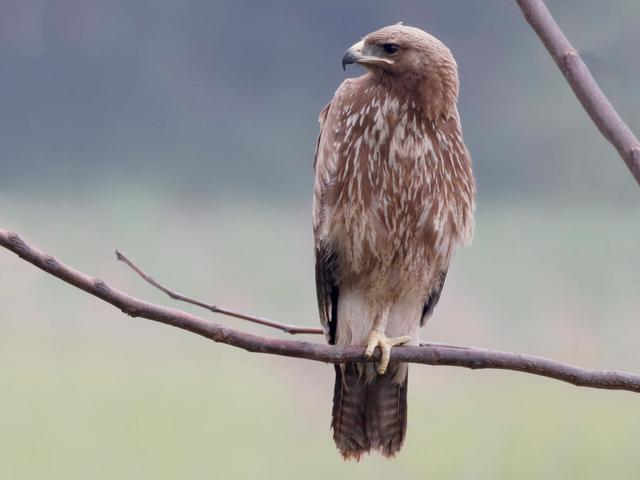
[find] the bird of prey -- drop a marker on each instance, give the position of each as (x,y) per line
(394,196)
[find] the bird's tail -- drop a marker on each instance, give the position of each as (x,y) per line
(369,411)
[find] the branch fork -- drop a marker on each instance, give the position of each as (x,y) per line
(428,354)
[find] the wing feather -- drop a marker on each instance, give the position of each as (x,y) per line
(432,299)
(326,282)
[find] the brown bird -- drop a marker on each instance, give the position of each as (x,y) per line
(394,196)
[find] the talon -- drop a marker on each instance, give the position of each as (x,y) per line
(371,347)
(379,339)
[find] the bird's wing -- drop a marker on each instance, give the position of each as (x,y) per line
(328,292)
(326,285)
(458,150)
(432,298)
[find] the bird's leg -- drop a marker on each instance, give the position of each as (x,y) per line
(377,338)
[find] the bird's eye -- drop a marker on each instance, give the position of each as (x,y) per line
(390,48)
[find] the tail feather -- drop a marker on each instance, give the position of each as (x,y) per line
(369,414)
(348,422)
(386,412)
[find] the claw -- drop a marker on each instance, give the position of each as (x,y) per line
(379,339)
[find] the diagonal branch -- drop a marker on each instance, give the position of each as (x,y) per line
(474,358)
(291,329)
(284,327)
(583,84)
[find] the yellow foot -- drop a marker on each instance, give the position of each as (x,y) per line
(379,339)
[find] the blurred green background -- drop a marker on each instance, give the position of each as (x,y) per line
(183,133)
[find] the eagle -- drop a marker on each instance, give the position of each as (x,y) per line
(394,197)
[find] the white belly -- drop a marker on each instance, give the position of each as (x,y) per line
(356,314)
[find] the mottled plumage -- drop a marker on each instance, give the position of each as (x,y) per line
(393,199)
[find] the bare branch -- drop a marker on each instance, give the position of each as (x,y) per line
(474,358)
(284,327)
(291,329)
(583,84)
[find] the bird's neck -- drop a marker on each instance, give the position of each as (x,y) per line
(436,95)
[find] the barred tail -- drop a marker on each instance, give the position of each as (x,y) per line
(369,415)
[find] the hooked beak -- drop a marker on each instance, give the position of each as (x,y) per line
(357,54)
(353,54)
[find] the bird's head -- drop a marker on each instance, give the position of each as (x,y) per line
(410,58)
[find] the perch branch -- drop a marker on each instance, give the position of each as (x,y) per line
(291,329)
(474,358)
(583,84)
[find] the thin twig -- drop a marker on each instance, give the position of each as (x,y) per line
(602,113)
(287,328)
(291,329)
(473,358)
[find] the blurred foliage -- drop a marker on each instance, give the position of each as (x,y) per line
(90,393)
(215,97)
